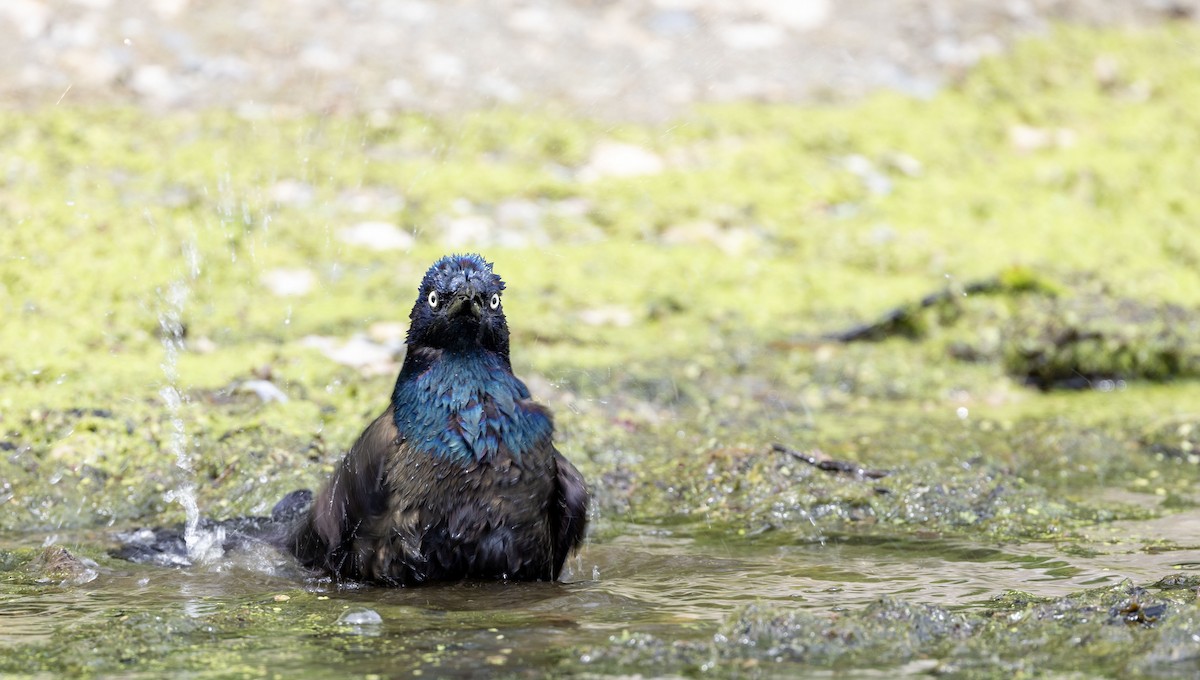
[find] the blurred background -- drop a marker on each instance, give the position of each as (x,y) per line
(950,241)
(613,58)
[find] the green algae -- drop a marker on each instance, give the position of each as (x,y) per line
(767,228)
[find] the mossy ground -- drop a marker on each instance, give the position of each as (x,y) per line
(1071,162)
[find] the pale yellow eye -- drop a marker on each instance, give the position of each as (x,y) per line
(495,300)
(433,299)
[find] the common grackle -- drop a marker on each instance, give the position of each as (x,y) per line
(457,478)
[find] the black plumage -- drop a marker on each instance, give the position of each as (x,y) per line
(457,478)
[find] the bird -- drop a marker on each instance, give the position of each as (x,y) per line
(458,478)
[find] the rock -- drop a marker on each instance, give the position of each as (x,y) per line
(400,90)
(368,200)
(358,352)
(875,181)
(749,35)
(572,207)
(1028,138)
(57,564)
(377,236)
(443,66)
(91,68)
(321,58)
(292,193)
(799,15)
(29,17)
(467,231)
(499,89)
(289,282)
(903,163)
(519,224)
(169,9)
(535,22)
(264,390)
(390,333)
(673,22)
(610,315)
(618,159)
(202,345)
(732,241)
(154,82)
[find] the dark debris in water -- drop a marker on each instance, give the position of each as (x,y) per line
(1134,611)
(1093,340)
(944,306)
(1050,335)
(823,462)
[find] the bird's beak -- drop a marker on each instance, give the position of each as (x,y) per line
(466,302)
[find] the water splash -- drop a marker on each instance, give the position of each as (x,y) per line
(202,546)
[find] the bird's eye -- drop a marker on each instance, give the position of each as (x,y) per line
(495,300)
(433,299)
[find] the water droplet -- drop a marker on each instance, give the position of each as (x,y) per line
(360,617)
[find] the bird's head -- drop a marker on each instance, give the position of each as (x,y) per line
(459,307)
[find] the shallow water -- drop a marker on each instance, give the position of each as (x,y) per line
(255,613)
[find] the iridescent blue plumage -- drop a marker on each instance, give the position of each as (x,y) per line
(458,399)
(465,407)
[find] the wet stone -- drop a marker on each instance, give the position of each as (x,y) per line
(57,564)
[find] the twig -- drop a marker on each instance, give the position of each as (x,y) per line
(819,460)
(903,319)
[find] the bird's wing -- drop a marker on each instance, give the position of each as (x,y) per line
(357,492)
(569,513)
